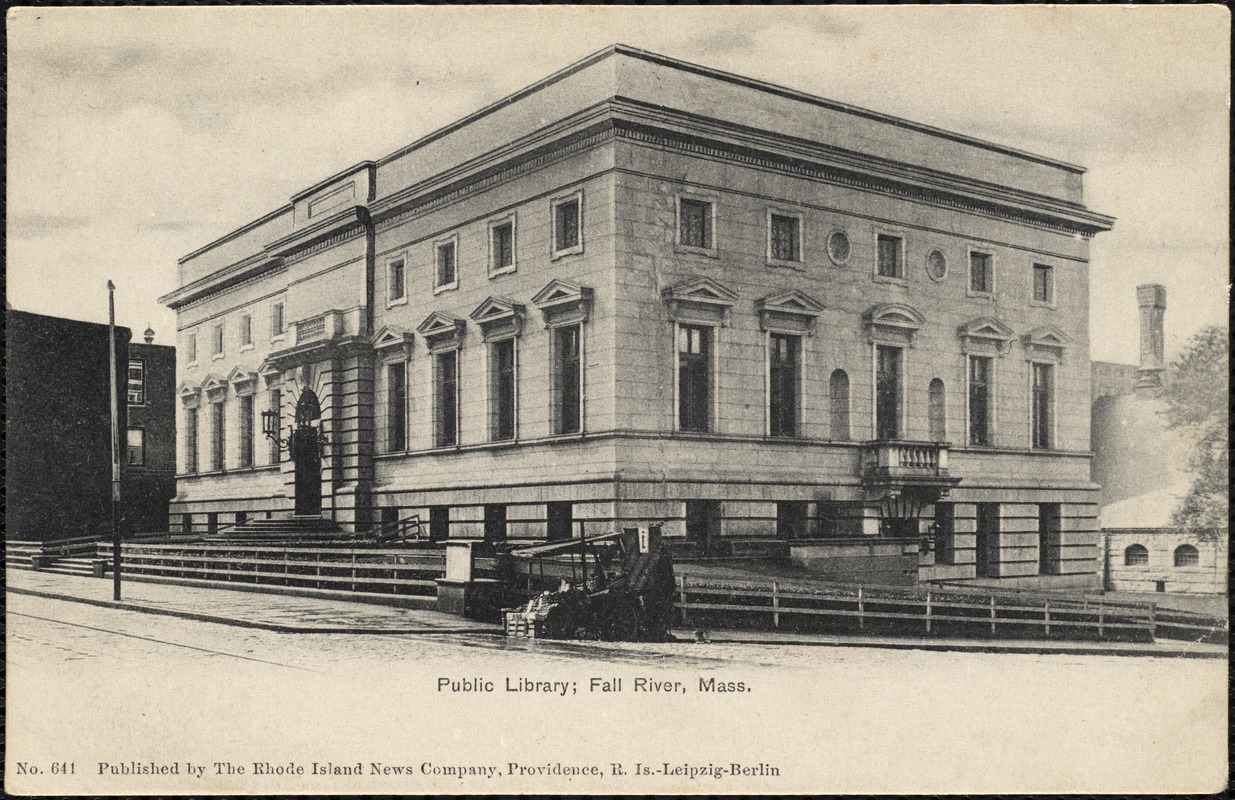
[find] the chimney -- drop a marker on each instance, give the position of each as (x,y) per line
(149,334)
(1151,297)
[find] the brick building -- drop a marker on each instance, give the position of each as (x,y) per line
(58,449)
(643,290)
(1142,469)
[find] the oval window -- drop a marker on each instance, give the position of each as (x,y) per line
(936,265)
(838,247)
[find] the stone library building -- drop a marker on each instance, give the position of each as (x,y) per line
(644,291)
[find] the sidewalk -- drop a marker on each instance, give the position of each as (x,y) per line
(272,612)
(286,614)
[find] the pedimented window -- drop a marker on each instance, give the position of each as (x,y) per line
(892,323)
(564,303)
(393,343)
(244,383)
(499,318)
(1046,343)
(700,301)
(789,312)
(441,332)
(985,336)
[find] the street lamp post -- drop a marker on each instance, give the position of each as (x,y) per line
(115,437)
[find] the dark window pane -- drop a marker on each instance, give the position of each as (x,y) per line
(396,406)
(696,222)
(783,399)
(503,245)
(560,521)
(245,414)
(566,379)
(694,377)
(217,439)
(888,393)
(1043,378)
(446,264)
(979,400)
(1042,283)
(396,280)
(838,401)
(980,278)
(890,257)
(502,383)
(446,399)
(784,238)
(566,225)
(190,440)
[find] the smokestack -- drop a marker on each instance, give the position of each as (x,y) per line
(1151,297)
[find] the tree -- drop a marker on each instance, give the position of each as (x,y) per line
(1196,394)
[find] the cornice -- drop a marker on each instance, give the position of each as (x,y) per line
(245,272)
(340,227)
(1066,218)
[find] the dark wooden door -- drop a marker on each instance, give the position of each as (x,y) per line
(307,456)
(988,540)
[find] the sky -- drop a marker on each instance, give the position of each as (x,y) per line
(136,135)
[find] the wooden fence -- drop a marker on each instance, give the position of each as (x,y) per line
(370,570)
(862,609)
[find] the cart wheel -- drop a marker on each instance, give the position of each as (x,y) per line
(621,624)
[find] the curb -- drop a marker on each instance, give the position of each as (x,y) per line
(242,623)
(982,647)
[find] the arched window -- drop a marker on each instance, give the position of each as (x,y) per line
(938,412)
(1186,556)
(1136,556)
(838,394)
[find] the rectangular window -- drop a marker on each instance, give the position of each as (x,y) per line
(944,529)
(695,223)
(1043,283)
(783,385)
(1043,411)
(502,390)
(276,319)
(439,523)
(1048,538)
(447,275)
(566,380)
(396,285)
(887,392)
(136,447)
(566,224)
(891,256)
(791,516)
(137,382)
(190,348)
(276,405)
(981,273)
(560,521)
(217,340)
(988,541)
(702,521)
(980,368)
(246,329)
(446,399)
(396,407)
(244,411)
(190,441)
(217,436)
(694,377)
(784,234)
(495,523)
(502,247)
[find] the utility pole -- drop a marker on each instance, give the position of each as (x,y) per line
(115,438)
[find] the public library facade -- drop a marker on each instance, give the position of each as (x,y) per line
(645,291)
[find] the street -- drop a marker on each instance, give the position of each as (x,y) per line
(90,685)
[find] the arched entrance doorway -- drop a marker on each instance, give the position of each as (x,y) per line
(306,452)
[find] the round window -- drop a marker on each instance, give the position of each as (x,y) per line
(936,265)
(838,247)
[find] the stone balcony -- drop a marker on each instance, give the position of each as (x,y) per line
(329,325)
(890,467)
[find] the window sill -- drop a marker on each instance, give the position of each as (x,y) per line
(245,348)
(687,249)
(399,301)
(506,270)
(446,287)
(1042,304)
(798,265)
(279,338)
(554,255)
(889,279)
(218,356)
(980,295)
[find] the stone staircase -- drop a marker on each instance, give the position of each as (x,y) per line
(279,531)
(71,565)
